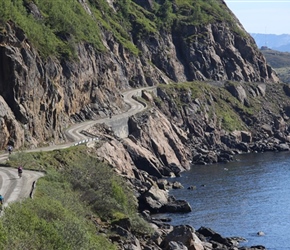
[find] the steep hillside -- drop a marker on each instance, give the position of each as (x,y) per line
(67,62)
(204,122)
(64,62)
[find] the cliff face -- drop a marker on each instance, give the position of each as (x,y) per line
(41,97)
(202,123)
(212,51)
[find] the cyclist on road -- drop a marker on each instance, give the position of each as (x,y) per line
(9,149)
(1,199)
(20,170)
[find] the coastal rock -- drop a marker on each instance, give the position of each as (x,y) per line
(163,184)
(116,155)
(283,147)
(144,159)
(153,200)
(131,242)
(184,235)
(214,237)
(259,247)
(268,129)
(166,185)
(280,124)
(176,185)
(164,138)
(176,206)
(246,136)
(173,245)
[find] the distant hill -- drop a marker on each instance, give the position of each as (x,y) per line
(275,42)
(280,61)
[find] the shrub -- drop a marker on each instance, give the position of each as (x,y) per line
(215,101)
(66,23)
(75,185)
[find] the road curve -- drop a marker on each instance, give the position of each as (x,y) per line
(13,188)
(74,132)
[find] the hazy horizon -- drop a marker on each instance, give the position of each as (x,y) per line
(262,17)
(269,34)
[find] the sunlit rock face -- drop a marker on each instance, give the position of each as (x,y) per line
(46,95)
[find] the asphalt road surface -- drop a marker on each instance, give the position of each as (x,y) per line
(13,188)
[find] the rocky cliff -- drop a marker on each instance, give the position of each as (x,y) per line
(201,123)
(42,96)
(205,123)
(216,95)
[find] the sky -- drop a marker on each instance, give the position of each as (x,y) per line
(262,16)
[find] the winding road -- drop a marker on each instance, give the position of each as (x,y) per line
(13,188)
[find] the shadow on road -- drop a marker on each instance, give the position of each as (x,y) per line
(4,165)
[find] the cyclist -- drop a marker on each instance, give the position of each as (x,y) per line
(20,170)
(9,149)
(1,199)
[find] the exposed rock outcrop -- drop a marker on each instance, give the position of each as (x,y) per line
(45,95)
(9,127)
(214,52)
(41,97)
(182,237)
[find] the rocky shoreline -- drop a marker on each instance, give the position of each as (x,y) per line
(170,237)
(196,123)
(167,236)
(153,193)
(165,140)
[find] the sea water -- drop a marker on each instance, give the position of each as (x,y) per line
(241,198)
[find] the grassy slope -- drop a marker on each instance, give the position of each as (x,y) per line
(76,189)
(72,189)
(215,101)
(65,23)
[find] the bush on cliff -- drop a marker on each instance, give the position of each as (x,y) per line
(59,25)
(63,23)
(46,223)
(216,101)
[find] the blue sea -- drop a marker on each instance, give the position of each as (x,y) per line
(241,198)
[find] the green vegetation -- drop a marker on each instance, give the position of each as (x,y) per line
(63,24)
(201,12)
(60,25)
(76,189)
(215,101)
